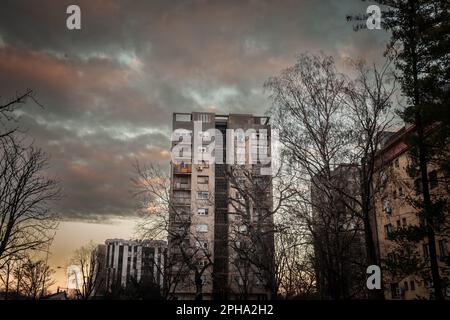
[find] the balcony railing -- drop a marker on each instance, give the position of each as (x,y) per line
(181,186)
(181,201)
(182,168)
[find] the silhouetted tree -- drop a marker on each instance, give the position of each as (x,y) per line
(26,190)
(92,268)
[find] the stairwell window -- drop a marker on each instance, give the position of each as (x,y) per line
(202,195)
(426,253)
(418,186)
(442,248)
(387,205)
(202,179)
(432,176)
(388,231)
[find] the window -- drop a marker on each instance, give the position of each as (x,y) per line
(412,285)
(418,186)
(182,135)
(181,197)
(181,182)
(442,248)
(425,251)
(202,211)
(204,117)
(202,195)
(386,205)
(395,194)
(242,228)
(422,220)
(202,262)
(185,152)
(202,179)
(391,257)
(398,224)
(202,228)
(204,279)
(404,222)
(400,191)
(432,176)
(182,117)
(383,178)
(395,291)
(405,285)
(388,231)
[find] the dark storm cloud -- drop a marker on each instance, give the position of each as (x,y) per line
(109,90)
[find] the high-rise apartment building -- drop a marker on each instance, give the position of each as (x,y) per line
(221,229)
(134,259)
(394,211)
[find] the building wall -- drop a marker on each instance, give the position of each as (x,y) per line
(393,209)
(217,276)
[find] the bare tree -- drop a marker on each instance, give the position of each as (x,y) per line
(294,256)
(7,277)
(33,278)
(327,123)
(26,221)
(8,119)
(189,256)
(26,190)
(92,268)
(255,201)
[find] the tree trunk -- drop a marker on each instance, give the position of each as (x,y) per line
(8,270)
(424,175)
(371,248)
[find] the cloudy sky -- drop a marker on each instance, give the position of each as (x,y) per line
(110,88)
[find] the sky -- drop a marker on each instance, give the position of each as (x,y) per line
(109,90)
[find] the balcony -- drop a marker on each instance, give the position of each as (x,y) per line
(181,201)
(181,219)
(181,185)
(183,168)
